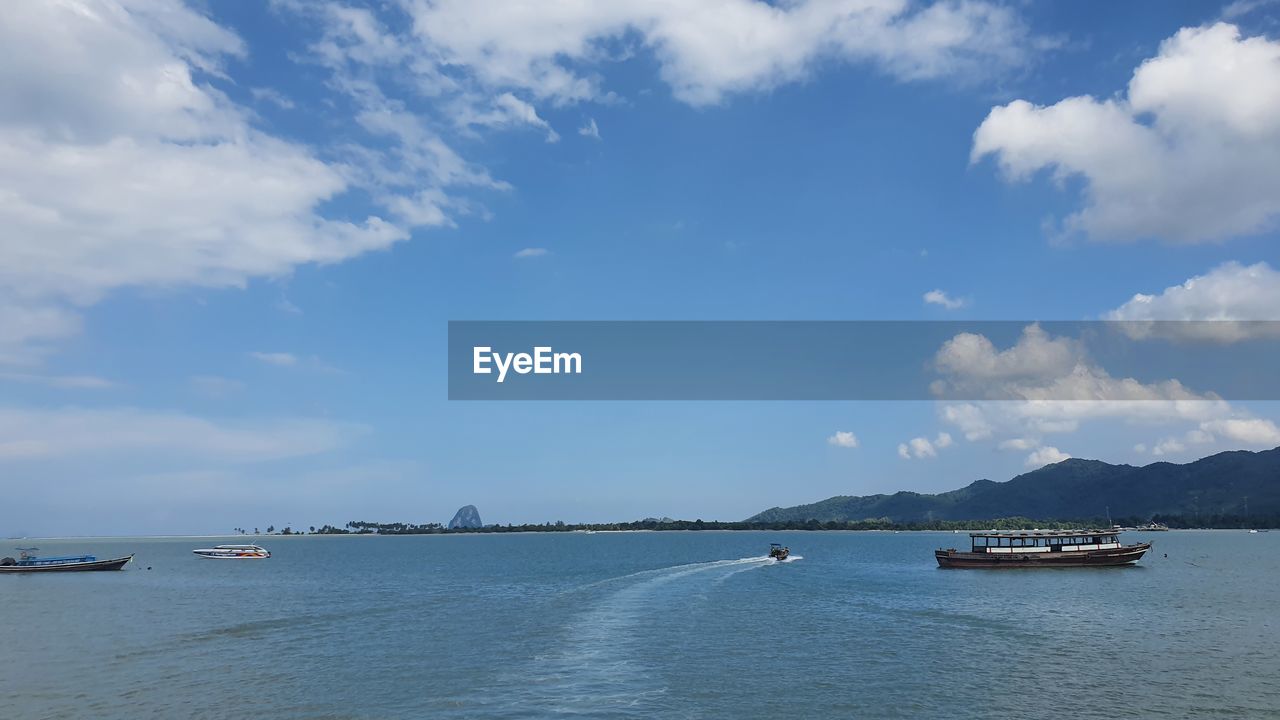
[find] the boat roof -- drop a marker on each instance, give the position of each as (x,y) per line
(237,547)
(1042,533)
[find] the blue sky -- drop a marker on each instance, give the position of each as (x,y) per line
(237,232)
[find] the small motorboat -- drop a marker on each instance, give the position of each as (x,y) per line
(234,552)
(28,563)
(778,552)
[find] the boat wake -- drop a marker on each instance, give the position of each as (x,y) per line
(597,668)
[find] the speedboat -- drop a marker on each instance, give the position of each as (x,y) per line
(778,552)
(28,563)
(234,552)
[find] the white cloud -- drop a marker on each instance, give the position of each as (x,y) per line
(706,52)
(1167,446)
(286,305)
(120,167)
(921,447)
(1036,392)
(1240,8)
(969,358)
(940,297)
(44,434)
(1018,444)
(1191,154)
(1046,455)
(843,439)
(279,359)
(66,382)
(531,252)
(275,97)
(507,110)
(590,129)
(1227,298)
(1236,431)
(1250,431)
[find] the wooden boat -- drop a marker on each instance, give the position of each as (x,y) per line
(234,552)
(1067,548)
(28,563)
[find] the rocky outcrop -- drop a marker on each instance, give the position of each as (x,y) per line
(466,517)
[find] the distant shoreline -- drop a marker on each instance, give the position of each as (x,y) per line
(459,533)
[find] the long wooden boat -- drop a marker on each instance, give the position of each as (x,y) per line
(71,563)
(1067,548)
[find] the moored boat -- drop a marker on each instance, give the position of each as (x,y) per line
(234,552)
(28,563)
(1066,548)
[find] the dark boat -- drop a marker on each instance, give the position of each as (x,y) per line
(28,563)
(1065,548)
(777,552)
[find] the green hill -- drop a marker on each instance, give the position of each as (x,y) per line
(1215,486)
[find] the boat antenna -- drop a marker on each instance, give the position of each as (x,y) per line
(1109,524)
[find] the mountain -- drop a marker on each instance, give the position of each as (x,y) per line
(466,517)
(1077,489)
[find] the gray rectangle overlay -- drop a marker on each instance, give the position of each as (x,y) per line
(864,360)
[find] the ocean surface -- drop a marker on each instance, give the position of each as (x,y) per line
(621,625)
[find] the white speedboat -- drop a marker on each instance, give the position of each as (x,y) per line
(234,552)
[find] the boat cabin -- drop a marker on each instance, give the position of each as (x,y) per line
(1044,541)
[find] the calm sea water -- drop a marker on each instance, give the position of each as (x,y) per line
(606,625)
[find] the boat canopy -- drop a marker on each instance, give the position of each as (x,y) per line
(1042,533)
(61,559)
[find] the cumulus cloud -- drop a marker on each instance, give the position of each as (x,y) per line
(843,439)
(1043,387)
(940,297)
(921,447)
(122,165)
(970,359)
(1046,455)
(1230,303)
(590,129)
(1250,431)
(1190,154)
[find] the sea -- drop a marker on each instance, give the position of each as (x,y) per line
(641,625)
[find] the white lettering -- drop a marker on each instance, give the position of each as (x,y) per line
(572,363)
(480,360)
(543,361)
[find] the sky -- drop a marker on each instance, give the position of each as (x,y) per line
(234,233)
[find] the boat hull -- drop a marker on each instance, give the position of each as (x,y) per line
(95,566)
(1092,558)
